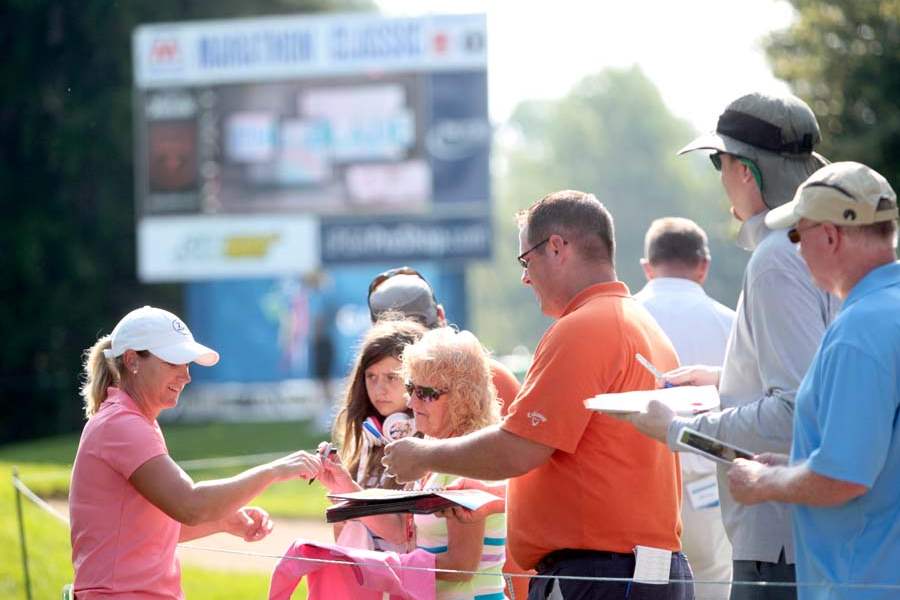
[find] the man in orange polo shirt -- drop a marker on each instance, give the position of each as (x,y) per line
(587,489)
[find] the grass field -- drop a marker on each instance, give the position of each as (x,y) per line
(45,465)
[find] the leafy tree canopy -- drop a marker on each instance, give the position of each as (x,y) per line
(66,187)
(843,57)
(613,136)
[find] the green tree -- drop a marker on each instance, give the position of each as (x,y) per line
(843,57)
(66,186)
(612,135)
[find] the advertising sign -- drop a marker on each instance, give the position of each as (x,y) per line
(198,247)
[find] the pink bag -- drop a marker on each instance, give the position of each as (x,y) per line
(366,574)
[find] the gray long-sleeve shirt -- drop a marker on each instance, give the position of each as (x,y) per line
(781,317)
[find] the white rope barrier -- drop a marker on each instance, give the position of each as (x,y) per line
(826,584)
(42,504)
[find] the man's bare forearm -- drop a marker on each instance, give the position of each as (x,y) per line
(489,453)
(799,484)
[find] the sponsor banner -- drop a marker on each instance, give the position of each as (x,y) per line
(292,47)
(350,241)
(190,248)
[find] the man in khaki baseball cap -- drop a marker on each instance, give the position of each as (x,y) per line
(841,213)
(845,193)
(843,474)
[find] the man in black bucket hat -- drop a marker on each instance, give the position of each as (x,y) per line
(775,135)
(763,147)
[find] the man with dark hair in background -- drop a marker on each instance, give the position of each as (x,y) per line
(676,263)
(322,353)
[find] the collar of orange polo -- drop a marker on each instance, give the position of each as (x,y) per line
(607,288)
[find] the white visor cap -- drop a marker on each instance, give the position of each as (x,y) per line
(163,334)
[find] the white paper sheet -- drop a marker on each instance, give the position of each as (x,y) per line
(685,400)
(652,565)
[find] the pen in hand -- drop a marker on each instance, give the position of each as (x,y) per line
(324,453)
(653,370)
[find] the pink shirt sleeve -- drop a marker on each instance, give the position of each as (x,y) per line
(128,441)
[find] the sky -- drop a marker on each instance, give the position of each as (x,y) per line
(701,54)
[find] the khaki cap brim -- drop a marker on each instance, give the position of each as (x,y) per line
(784,216)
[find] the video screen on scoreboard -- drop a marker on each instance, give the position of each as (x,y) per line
(330,146)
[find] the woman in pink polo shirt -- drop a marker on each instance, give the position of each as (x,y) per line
(129,503)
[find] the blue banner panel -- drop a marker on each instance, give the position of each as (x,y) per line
(459,137)
(271,330)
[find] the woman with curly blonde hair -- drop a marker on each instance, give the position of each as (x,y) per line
(454,364)
(448,380)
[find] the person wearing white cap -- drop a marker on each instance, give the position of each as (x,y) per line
(843,474)
(129,502)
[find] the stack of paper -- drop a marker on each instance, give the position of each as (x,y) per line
(685,400)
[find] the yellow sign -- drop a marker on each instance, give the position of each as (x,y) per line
(249,246)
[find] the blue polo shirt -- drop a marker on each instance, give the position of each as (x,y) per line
(847,427)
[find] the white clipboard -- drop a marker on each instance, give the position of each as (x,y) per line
(684,400)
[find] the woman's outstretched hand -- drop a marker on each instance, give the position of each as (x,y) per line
(250,523)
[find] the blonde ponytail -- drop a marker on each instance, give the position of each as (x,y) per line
(99,374)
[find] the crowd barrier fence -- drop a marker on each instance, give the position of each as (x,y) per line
(23,490)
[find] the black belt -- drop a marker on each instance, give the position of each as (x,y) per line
(557,556)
